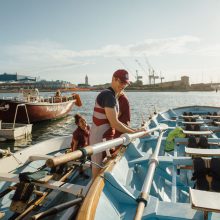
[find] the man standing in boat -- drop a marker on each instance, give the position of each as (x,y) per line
(105,115)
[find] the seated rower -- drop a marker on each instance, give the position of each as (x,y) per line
(58,93)
(80,136)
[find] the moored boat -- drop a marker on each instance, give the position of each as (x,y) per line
(15,131)
(27,187)
(39,108)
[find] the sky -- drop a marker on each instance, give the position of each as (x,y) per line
(69,39)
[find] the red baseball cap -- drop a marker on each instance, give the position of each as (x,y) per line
(122,75)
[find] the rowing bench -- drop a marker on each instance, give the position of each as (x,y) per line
(205,201)
(202,152)
(192,122)
(189,116)
(211,116)
(217,123)
(51,184)
(197,132)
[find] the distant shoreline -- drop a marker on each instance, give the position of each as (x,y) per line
(97,90)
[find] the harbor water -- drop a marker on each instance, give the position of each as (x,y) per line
(143,104)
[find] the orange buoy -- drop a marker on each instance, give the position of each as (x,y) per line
(78,99)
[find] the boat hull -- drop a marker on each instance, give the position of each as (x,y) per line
(16,132)
(39,111)
(117,193)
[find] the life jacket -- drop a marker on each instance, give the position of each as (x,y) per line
(215,173)
(176,133)
(192,142)
(200,172)
(202,143)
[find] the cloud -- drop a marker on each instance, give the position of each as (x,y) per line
(147,47)
(46,55)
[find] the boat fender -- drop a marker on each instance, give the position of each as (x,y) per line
(78,99)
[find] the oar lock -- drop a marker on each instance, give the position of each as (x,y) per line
(127,139)
(83,158)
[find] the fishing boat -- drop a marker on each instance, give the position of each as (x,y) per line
(39,108)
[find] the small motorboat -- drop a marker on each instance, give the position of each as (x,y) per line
(39,108)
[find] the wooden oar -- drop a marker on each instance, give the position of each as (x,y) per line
(125,139)
(57,209)
(148,180)
(39,200)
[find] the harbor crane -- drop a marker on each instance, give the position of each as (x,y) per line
(161,78)
(152,74)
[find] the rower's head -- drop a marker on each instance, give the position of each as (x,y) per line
(120,80)
(80,121)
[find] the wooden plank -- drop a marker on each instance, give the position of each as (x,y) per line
(202,152)
(212,116)
(197,132)
(210,203)
(193,122)
(55,185)
(189,116)
(217,122)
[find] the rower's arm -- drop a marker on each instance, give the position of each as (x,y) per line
(74,144)
(115,123)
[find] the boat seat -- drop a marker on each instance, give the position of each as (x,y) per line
(193,122)
(212,116)
(202,152)
(189,116)
(56,185)
(197,132)
(209,204)
(217,123)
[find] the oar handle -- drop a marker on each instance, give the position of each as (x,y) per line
(52,162)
